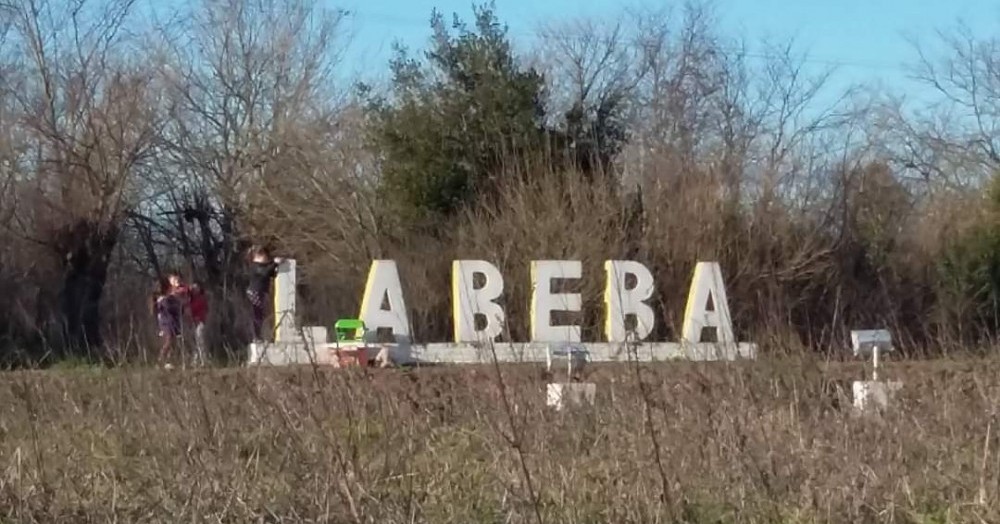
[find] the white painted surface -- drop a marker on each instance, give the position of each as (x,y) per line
(284,302)
(561,395)
(874,394)
(281,353)
(544,301)
(314,335)
(621,302)
(383,281)
(707,282)
(448,353)
(468,302)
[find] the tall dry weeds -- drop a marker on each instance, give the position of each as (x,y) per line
(771,441)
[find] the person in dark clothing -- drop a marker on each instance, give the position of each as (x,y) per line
(262,270)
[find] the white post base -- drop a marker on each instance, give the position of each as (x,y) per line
(874,394)
(281,354)
(577,393)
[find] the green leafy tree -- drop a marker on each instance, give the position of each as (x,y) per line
(970,269)
(454,125)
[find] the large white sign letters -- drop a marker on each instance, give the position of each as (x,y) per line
(477,289)
(478,317)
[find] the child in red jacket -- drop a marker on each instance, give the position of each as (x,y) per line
(198,306)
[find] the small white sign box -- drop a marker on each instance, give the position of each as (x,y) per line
(576,357)
(560,395)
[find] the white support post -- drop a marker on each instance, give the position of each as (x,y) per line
(284,302)
(875,363)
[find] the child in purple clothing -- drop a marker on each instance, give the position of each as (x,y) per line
(167,307)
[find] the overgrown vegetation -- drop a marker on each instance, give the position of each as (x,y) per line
(754,442)
(177,142)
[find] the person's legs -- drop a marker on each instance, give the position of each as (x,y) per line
(168,340)
(257,303)
(169,330)
(258,321)
(181,341)
(199,340)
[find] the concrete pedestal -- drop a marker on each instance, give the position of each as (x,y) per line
(564,394)
(874,394)
(534,352)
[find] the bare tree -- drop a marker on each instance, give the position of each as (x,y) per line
(750,122)
(593,69)
(83,106)
(953,141)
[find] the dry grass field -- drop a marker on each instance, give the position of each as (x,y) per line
(768,441)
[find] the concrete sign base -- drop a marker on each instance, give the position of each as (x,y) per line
(285,353)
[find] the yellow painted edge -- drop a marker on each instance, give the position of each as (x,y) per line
(608,269)
(369,284)
(456,310)
(699,270)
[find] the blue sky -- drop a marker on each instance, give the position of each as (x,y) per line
(864,39)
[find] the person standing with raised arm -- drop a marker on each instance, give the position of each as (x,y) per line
(263,269)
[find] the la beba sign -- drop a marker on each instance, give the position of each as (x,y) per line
(707,305)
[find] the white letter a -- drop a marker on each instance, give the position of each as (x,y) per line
(707,286)
(383,286)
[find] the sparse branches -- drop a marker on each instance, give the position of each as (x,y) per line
(713,105)
(85,108)
(593,71)
(242,78)
(241,75)
(591,64)
(955,142)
